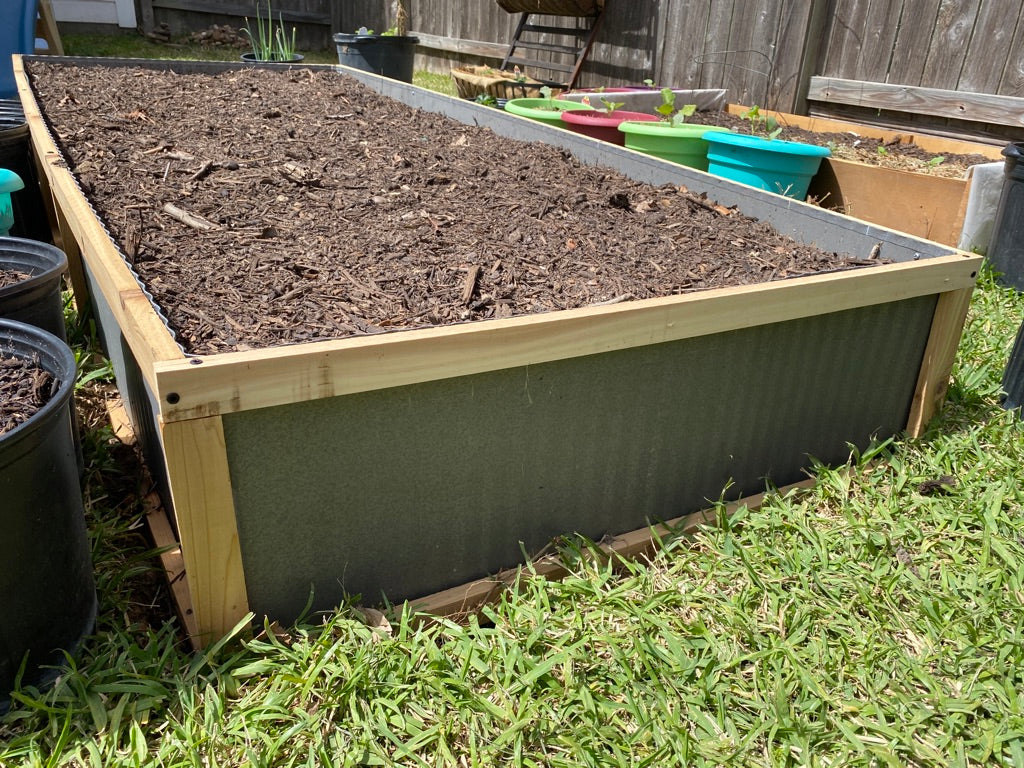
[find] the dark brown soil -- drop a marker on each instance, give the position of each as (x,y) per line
(10,277)
(24,389)
(900,152)
(319,209)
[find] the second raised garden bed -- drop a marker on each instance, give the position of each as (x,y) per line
(408,462)
(917,201)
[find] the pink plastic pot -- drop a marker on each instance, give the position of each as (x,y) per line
(601,125)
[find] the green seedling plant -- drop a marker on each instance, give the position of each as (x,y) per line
(766,125)
(545,92)
(611,106)
(667,108)
(269,41)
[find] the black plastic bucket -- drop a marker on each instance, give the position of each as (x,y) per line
(1006,250)
(47,592)
(388,55)
(30,218)
(1013,376)
(36,300)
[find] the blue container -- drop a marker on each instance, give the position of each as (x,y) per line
(783,167)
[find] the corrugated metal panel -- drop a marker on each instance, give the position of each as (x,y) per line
(414,489)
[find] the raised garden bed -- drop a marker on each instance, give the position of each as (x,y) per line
(461,397)
(913,183)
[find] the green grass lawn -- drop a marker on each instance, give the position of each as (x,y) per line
(875,619)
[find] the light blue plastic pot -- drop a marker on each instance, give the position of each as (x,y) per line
(783,167)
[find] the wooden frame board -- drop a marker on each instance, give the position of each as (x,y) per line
(194,394)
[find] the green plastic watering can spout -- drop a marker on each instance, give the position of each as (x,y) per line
(9,182)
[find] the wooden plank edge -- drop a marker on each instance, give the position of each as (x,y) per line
(234,382)
(458,603)
(160,531)
(143,330)
(197,468)
(174,566)
(461,46)
(958,105)
(939,356)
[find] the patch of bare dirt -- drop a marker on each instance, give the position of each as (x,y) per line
(264,208)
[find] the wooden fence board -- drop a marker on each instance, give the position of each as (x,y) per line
(994,29)
(683,32)
(1012,81)
(880,28)
(950,43)
(907,60)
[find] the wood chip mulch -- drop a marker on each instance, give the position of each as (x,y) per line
(264,208)
(24,389)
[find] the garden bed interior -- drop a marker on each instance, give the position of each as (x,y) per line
(353,457)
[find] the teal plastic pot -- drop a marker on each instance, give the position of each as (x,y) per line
(684,144)
(545,110)
(598,124)
(783,167)
(47,593)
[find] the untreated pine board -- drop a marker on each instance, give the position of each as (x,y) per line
(197,466)
(979,107)
(233,382)
(143,329)
(467,599)
(939,355)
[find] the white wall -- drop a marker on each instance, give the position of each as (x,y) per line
(119,12)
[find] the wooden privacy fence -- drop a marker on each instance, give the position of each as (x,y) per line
(951,64)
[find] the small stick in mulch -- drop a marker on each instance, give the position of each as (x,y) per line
(469,286)
(196,222)
(24,389)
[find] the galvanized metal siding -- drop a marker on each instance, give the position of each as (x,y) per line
(415,489)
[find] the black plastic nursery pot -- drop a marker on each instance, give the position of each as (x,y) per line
(1006,251)
(16,155)
(388,55)
(47,593)
(35,300)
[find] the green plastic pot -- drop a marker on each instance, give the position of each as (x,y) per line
(544,110)
(783,167)
(684,144)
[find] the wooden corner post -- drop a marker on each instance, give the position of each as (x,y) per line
(197,466)
(939,355)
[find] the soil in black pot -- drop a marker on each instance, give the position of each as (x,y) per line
(24,389)
(12,277)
